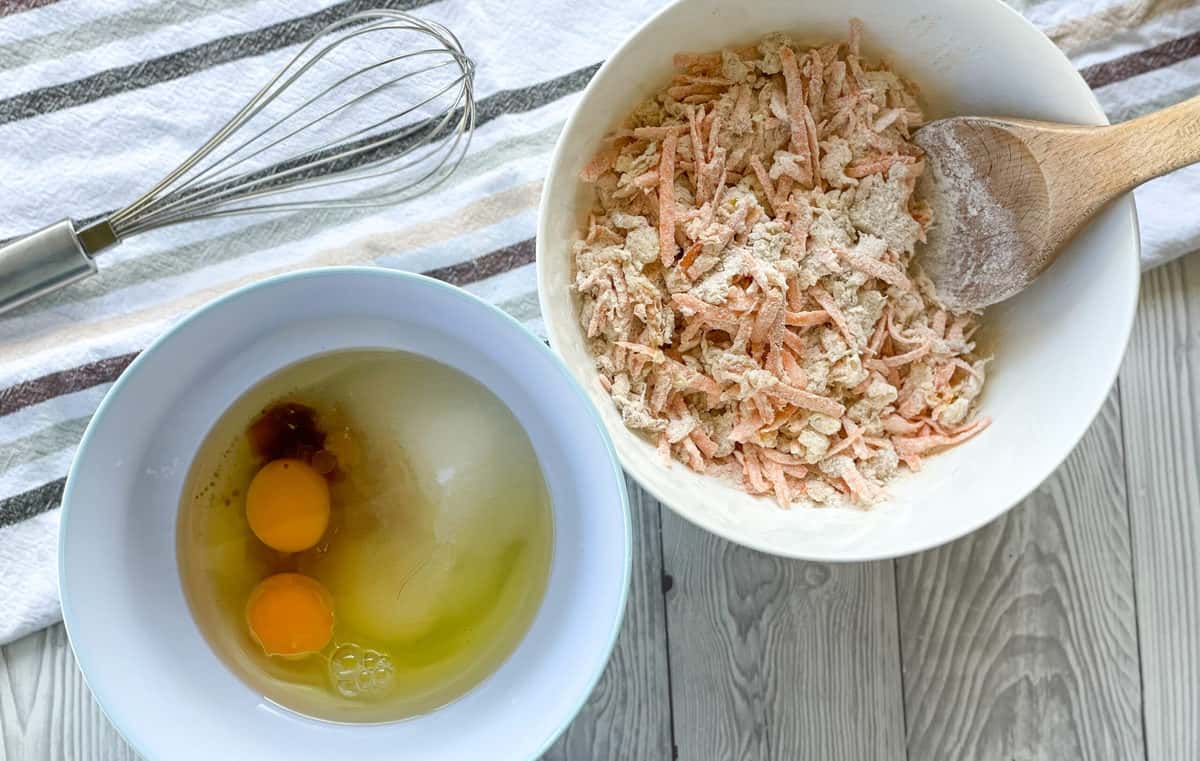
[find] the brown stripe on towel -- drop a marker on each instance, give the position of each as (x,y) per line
(1157,57)
(67,381)
(71,380)
(184,62)
(9,7)
(495,263)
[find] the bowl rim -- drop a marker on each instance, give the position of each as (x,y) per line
(122,722)
(1134,245)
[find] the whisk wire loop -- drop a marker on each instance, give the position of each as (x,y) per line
(431,87)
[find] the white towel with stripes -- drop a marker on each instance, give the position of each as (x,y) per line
(97,98)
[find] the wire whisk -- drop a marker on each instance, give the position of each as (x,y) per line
(376,109)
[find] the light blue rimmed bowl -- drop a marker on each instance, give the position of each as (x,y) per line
(136,642)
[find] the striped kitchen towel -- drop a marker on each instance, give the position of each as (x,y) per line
(97,97)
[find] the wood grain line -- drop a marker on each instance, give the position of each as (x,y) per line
(628,714)
(47,710)
(779,659)
(1020,641)
(1160,394)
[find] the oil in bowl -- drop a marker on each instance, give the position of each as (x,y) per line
(365,536)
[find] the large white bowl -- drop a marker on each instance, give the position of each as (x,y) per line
(137,644)
(1057,346)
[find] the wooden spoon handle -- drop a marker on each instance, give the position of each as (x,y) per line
(1154,144)
(1086,167)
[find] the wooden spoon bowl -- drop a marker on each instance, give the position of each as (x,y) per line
(1007,194)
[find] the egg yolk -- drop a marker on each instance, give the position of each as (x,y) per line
(287,505)
(290,614)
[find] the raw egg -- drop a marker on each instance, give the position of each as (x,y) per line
(290,614)
(287,505)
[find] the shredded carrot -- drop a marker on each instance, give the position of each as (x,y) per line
(875,268)
(822,297)
(860,487)
(600,163)
(748,427)
(697,60)
(754,471)
(666,201)
(807,400)
(942,375)
(855,41)
(795,373)
(779,484)
(647,180)
(690,255)
(815,70)
(655,134)
(654,355)
(717,317)
(924,444)
(660,393)
(766,413)
(703,442)
(696,79)
(876,166)
(795,297)
(877,338)
(844,444)
(760,173)
(695,457)
(793,342)
(814,149)
(801,223)
(806,319)
(713,137)
(798,472)
(898,360)
(795,103)
(698,152)
(768,315)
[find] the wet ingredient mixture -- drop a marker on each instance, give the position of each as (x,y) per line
(365,536)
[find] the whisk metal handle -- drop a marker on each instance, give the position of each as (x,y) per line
(49,259)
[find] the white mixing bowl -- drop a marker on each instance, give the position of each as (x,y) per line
(133,634)
(1057,346)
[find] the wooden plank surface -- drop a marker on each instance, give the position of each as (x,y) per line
(46,712)
(1019,640)
(629,714)
(778,660)
(1160,396)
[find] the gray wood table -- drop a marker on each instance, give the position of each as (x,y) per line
(1069,629)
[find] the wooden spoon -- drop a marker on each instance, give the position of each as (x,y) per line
(1007,194)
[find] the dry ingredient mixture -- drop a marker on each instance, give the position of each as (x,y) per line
(746,282)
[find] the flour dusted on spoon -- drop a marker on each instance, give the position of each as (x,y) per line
(976,246)
(745,279)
